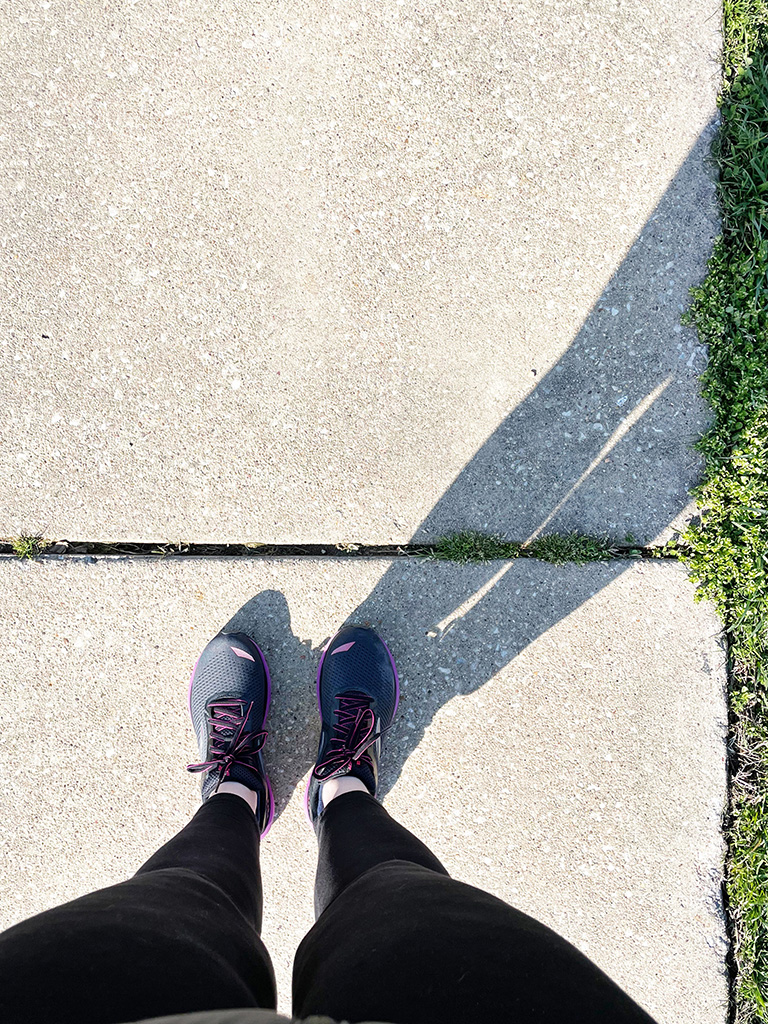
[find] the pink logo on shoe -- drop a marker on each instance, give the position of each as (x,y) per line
(242,654)
(344,647)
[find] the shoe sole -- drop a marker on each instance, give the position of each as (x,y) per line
(271,815)
(319,711)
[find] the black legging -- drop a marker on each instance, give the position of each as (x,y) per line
(396,938)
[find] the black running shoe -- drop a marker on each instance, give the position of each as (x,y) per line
(229,695)
(357,696)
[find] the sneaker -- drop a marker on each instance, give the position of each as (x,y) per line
(357,696)
(229,695)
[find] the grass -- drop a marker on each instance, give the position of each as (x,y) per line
(559,549)
(28,546)
(471,546)
(727,551)
(573,547)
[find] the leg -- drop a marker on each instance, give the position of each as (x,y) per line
(356,834)
(398,940)
(181,935)
(221,843)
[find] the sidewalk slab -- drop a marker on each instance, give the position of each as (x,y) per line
(298,272)
(560,741)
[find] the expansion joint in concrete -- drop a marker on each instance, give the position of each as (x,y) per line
(159,549)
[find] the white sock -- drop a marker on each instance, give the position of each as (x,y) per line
(240,790)
(342,784)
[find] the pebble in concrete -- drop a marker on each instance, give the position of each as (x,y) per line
(560,741)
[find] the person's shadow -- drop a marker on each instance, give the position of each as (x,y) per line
(586,450)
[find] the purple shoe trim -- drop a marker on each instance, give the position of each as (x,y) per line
(191,680)
(271,815)
(317,693)
(306,800)
(397,677)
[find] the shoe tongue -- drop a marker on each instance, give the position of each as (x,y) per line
(363,730)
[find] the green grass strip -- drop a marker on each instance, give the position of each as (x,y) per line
(557,548)
(728,549)
(578,548)
(471,546)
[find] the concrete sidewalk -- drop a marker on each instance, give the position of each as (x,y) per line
(340,272)
(560,741)
(301,272)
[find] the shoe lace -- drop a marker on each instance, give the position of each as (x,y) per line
(352,736)
(229,744)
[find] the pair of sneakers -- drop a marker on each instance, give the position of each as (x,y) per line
(229,695)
